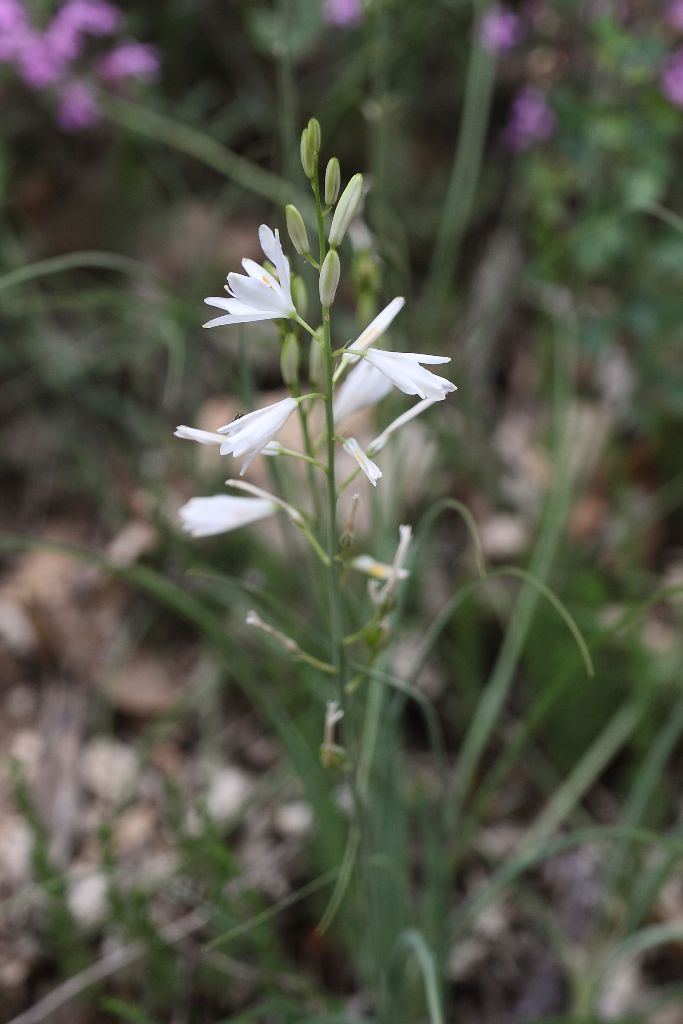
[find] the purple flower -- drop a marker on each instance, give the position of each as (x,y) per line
(77,19)
(37,63)
(531,119)
(671,78)
(129,60)
(342,12)
(501,29)
(673,15)
(77,107)
(13,28)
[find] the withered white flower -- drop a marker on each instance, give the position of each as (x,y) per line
(247,436)
(381,571)
(380,594)
(379,442)
(372,471)
(205,517)
(258,295)
(364,386)
(404,371)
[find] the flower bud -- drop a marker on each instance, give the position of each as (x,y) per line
(307,154)
(289,359)
(315,135)
(332,181)
(297,229)
(299,295)
(346,209)
(316,361)
(329,278)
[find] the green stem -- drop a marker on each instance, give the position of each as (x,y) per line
(336,624)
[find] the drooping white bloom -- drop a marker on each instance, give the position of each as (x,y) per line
(205,517)
(404,371)
(364,386)
(372,332)
(247,436)
(381,594)
(372,471)
(379,442)
(381,571)
(258,295)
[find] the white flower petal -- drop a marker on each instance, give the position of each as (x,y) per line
(205,517)
(200,436)
(270,243)
(378,326)
(257,294)
(260,273)
(379,442)
(372,472)
(372,332)
(364,386)
(242,318)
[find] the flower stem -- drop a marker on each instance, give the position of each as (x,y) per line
(336,618)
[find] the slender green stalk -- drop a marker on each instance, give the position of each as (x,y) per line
(335,603)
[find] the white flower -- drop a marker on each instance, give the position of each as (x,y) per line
(404,371)
(364,386)
(372,332)
(204,517)
(247,436)
(378,570)
(378,443)
(397,571)
(259,295)
(372,472)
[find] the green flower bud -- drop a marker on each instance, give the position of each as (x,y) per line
(307,154)
(329,278)
(346,209)
(332,181)
(315,135)
(290,357)
(299,295)
(297,229)
(316,362)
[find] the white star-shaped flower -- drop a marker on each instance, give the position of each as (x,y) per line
(258,295)
(246,436)
(404,371)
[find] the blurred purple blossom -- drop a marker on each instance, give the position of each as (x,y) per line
(673,15)
(129,60)
(671,79)
(46,59)
(13,28)
(501,29)
(77,107)
(531,120)
(342,12)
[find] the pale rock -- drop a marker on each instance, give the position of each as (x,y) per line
(228,790)
(16,846)
(87,899)
(109,769)
(294,819)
